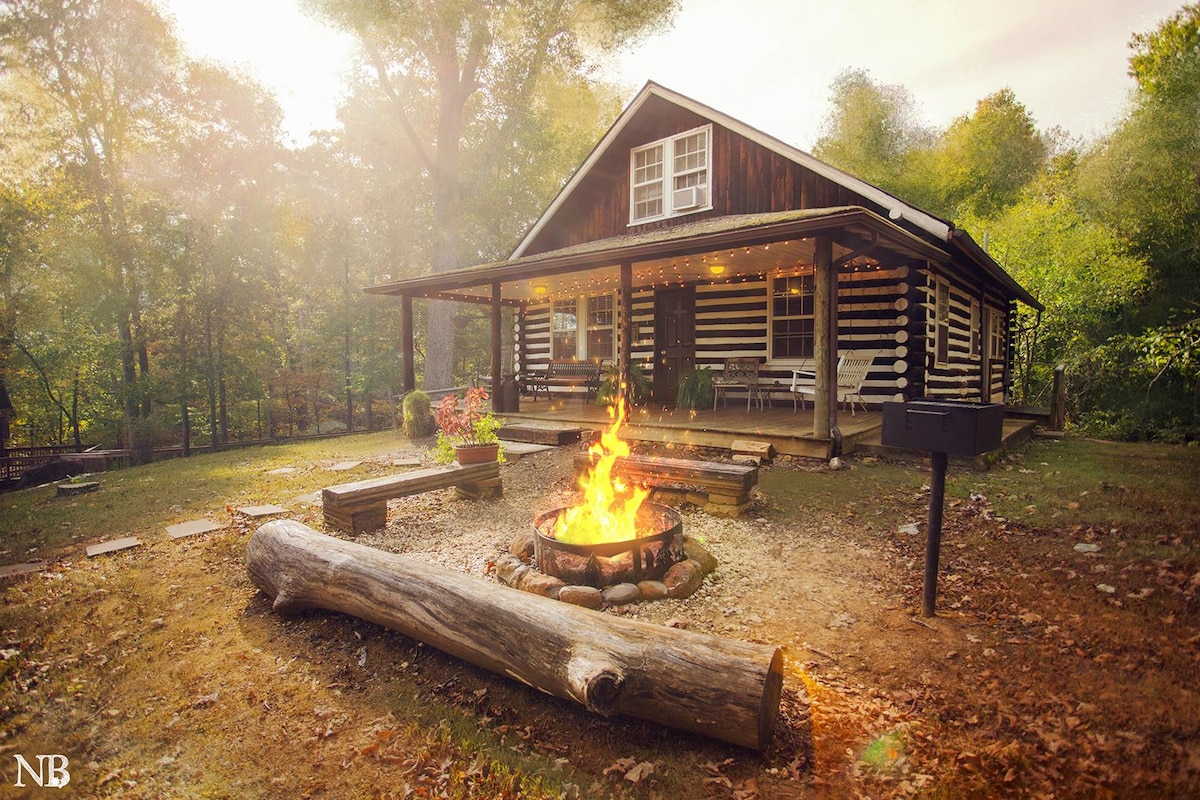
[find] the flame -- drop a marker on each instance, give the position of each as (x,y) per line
(609,509)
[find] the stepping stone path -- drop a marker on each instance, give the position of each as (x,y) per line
(261,511)
(192,528)
(69,489)
(517,450)
(94,550)
(282,471)
(345,465)
(21,569)
(406,462)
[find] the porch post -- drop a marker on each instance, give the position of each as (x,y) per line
(824,338)
(625,324)
(497,400)
(408,379)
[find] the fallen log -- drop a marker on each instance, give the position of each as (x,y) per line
(716,687)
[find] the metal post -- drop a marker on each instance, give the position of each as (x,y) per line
(933,542)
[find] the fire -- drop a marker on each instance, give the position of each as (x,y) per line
(609,509)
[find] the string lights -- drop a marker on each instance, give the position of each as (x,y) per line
(712,268)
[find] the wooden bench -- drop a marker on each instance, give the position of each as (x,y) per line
(721,489)
(566,372)
(362,505)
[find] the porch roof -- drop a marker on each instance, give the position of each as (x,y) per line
(724,248)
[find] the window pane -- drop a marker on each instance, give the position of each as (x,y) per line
(564,318)
(792,325)
(563,344)
(600,310)
(647,201)
(600,343)
(793,338)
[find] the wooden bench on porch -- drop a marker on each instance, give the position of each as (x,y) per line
(362,505)
(567,372)
(720,489)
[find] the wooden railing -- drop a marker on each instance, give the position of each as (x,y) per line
(15,461)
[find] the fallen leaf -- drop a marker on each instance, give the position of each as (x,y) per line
(642,770)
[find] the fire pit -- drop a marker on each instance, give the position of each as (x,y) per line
(645,557)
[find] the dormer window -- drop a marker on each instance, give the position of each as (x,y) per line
(670,177)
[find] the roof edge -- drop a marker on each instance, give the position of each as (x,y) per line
(939,228)
(971,248)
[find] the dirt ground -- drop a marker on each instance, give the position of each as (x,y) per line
(1051,670)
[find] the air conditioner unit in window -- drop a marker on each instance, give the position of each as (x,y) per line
(690,197)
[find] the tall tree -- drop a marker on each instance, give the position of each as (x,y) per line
(1144,179)
(108,66)
(873,133)
(987,158)
(447,66)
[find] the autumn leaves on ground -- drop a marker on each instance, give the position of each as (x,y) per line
(1061,662)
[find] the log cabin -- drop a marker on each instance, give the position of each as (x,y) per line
(688,237)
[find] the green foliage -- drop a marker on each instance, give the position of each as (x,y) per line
(637,392)
(695,390)
(984,160)
(871,130)
(418,415)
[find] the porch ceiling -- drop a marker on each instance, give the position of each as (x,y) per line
(717,249)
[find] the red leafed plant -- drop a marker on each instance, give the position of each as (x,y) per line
(468,425)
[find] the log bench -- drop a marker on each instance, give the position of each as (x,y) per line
(566,372)
(362,505)
(721,489)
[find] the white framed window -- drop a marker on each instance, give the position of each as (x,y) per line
(601,326)
(976,330)
(792,327)
(564,328)
(941,322)
(595,316)
(670,177)
(996,331)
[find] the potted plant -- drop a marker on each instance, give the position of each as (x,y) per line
(610,383)
(468,434)
(695,389)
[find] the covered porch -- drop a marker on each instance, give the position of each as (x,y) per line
(716,257)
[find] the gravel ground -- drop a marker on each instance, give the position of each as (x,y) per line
(778,581)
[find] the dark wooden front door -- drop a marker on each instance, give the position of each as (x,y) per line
(674,339)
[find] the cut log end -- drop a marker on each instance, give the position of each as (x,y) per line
(603,692)
(772,693)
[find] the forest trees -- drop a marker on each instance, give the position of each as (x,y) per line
(469,80)
(106,73)
(170,271)
(1106,236)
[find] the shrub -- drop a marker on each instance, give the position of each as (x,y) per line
(418,415)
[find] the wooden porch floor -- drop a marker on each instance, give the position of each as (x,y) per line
(790,432)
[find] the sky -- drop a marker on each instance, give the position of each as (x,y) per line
(769,63)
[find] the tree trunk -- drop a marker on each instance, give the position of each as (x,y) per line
(716,687)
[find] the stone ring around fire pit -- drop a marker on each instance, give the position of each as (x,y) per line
(664,563)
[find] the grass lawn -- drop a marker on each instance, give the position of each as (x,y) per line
(1061,662)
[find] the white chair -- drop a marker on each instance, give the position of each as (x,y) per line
(852,369)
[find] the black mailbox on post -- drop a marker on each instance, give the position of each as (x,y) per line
(953,427)
(943,428)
